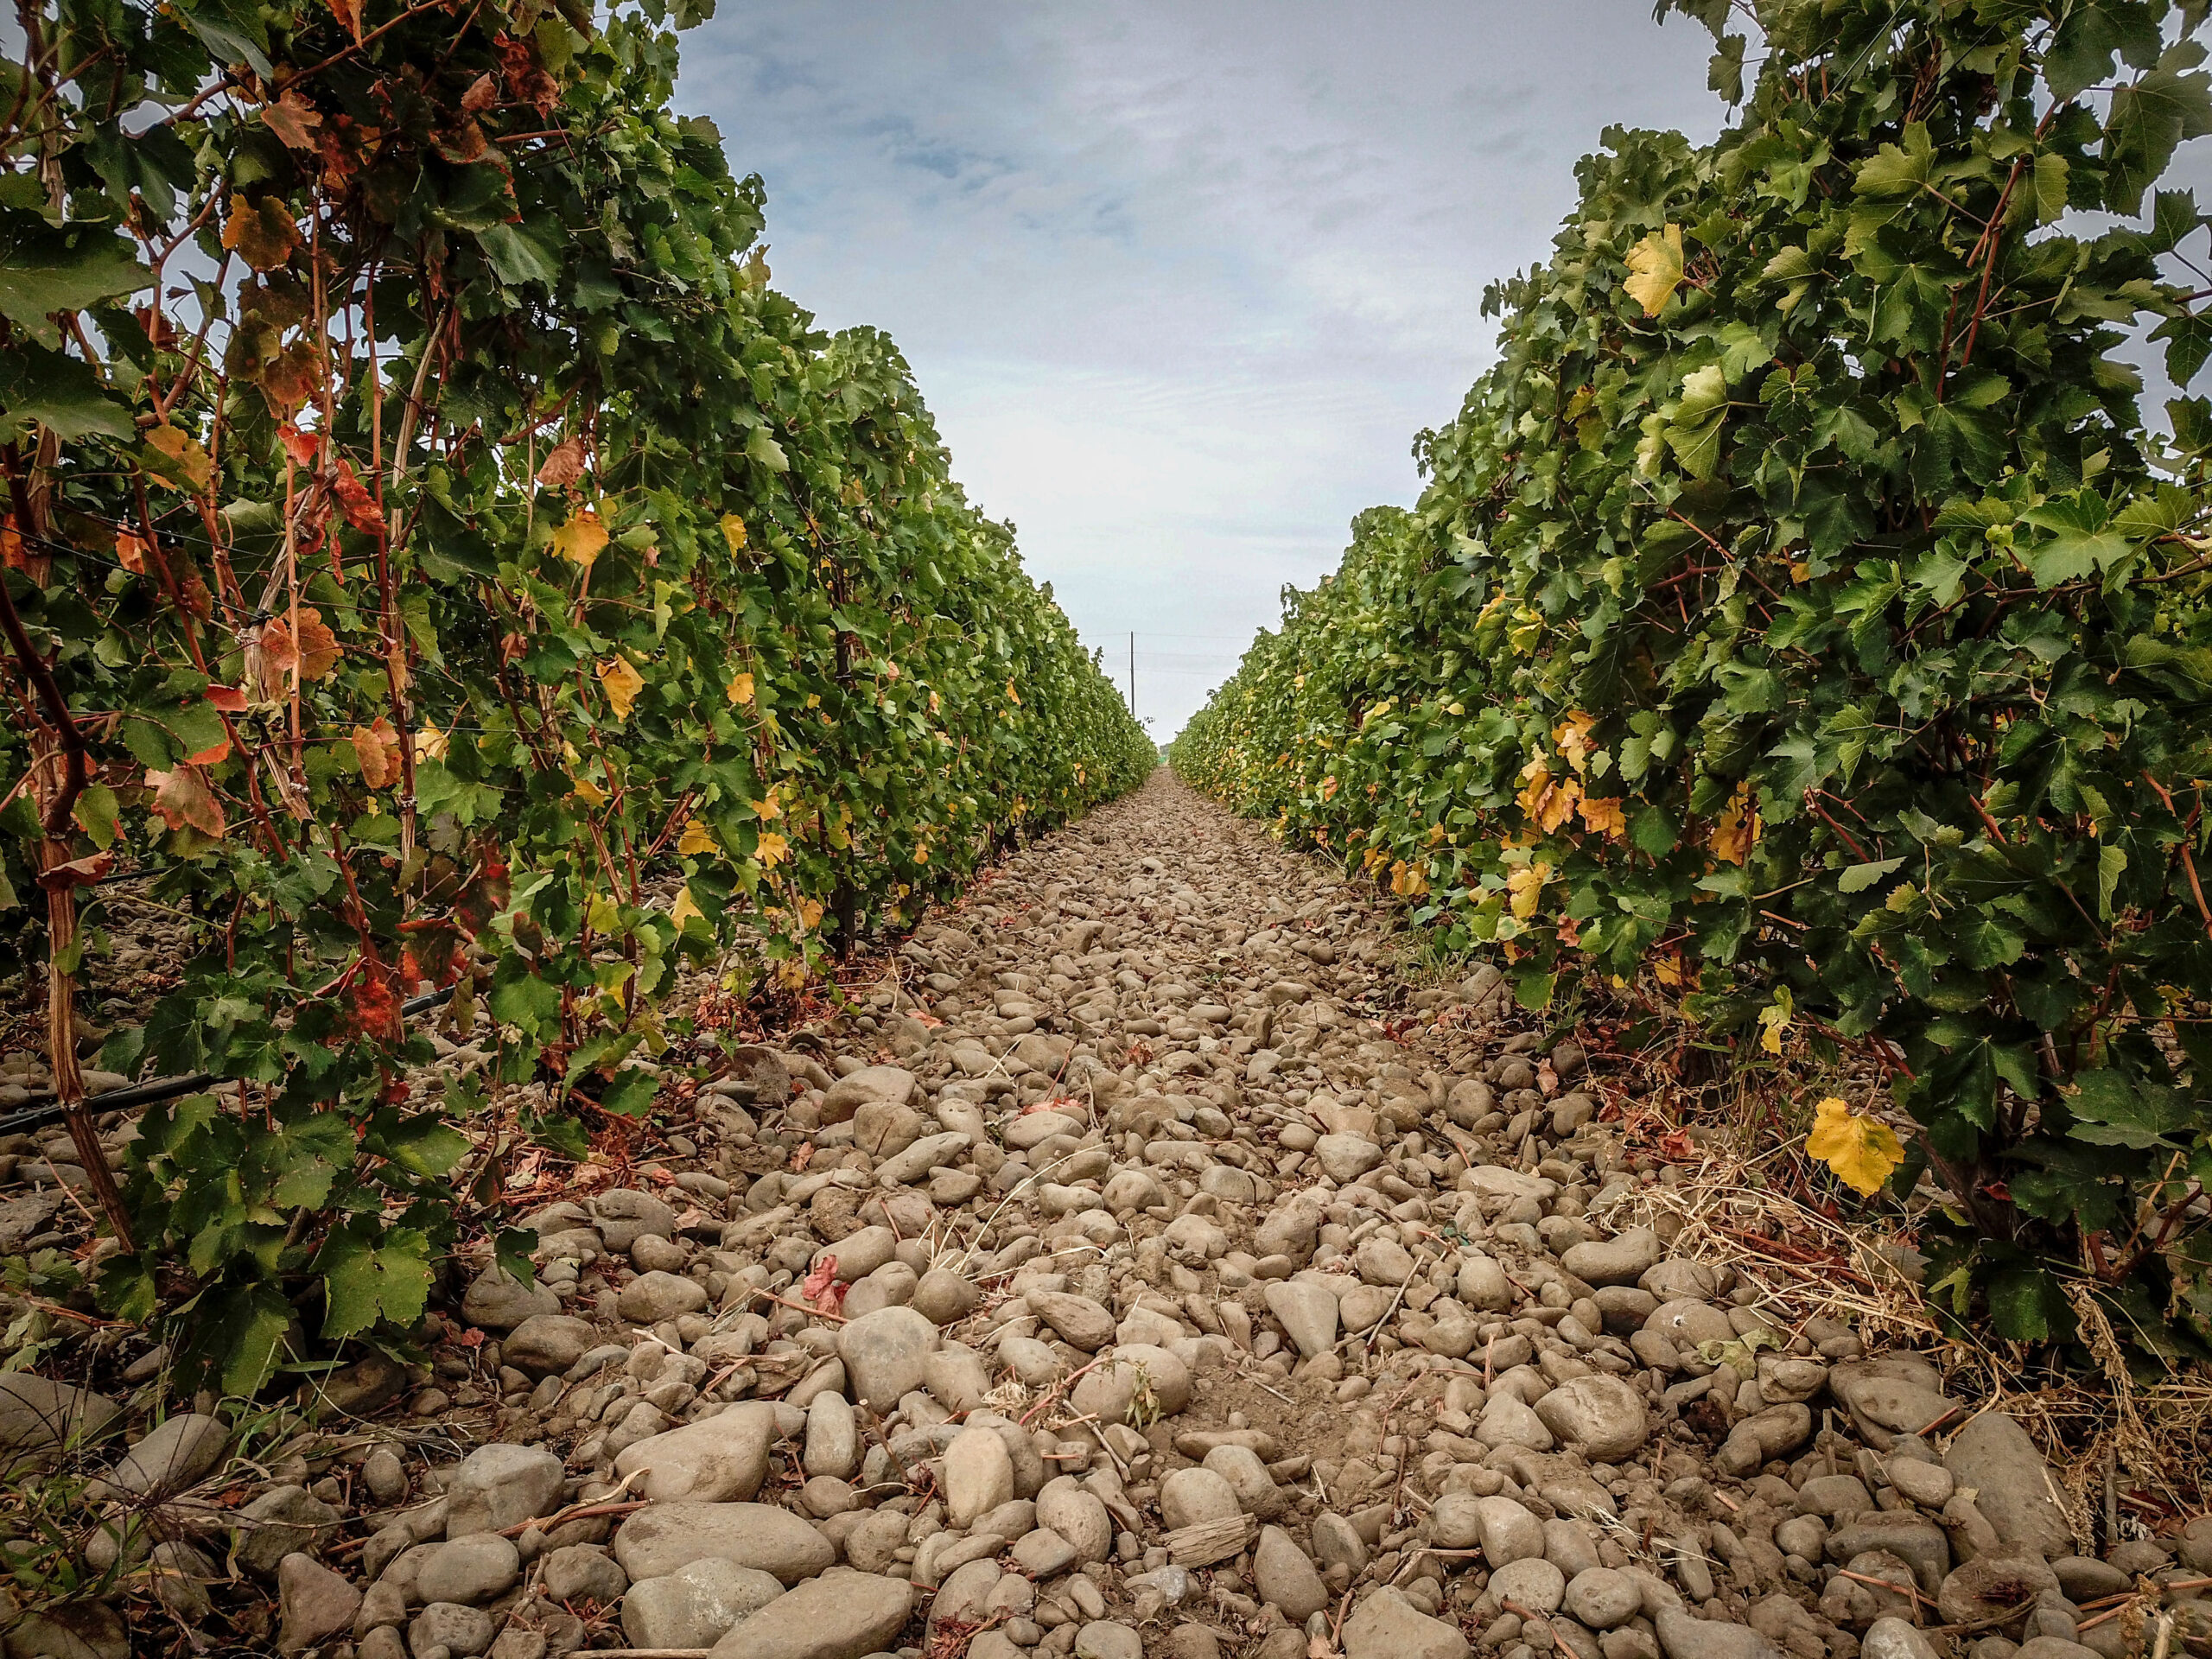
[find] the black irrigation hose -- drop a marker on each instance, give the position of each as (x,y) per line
(155,1090)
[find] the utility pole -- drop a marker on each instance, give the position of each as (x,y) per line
(1132,672)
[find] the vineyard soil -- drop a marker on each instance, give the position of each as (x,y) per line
(1148,1264)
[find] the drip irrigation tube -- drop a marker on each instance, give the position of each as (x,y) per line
(133,1096)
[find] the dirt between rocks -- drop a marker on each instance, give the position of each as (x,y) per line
(1146,1268)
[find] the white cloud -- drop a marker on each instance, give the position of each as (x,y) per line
(1179,282)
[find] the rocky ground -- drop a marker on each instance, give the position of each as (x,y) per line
(1145,1269)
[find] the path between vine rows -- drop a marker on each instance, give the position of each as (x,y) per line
(1206,1289)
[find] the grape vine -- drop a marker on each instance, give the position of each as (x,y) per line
(436,553)
(1803,619)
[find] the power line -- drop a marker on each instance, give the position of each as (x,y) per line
(1186,659)
(1239,640)
(1233,639)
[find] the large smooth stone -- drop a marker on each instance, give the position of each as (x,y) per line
(39,1417)
(695,1605)
(721,1458)
(839,1616)
(2013,1485)
(883,1353)
(1388,1626)
(657,1539)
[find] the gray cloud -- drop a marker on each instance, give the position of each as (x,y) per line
(1180,282)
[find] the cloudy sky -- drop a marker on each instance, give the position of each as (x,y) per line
(1180,281)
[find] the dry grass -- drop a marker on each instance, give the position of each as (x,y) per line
(2130,1458)
(1802,1263)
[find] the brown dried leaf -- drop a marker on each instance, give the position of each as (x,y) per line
(372,1003)
(377,750)
(261,233)
(288,381)
(431,951)
(292,118)
(526,80)
(183,798)
(359,506)
(462,144)
(565,465)
(316,654)
(77,872)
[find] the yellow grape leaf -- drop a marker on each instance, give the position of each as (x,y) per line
(1774,1024)
(1559,804)
(177,456)
(1862,1152)
(1527,885)
(589,792)
(772,848)
(623,683)
(768,806)
(1014,696)
(683,910)
(1736,831)
(1572,736)
(740,689)
(1550,804)
(581,540)
(697,838)
(734,532)
(1655,269)
(429,744)
(1604,816)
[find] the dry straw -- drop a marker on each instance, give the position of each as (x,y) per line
(2123,1453)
